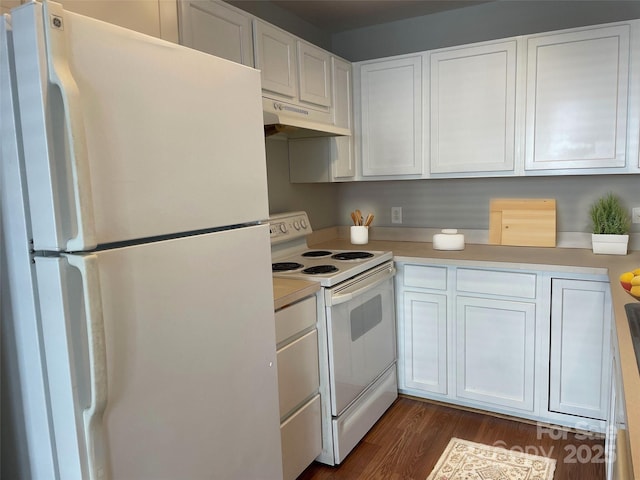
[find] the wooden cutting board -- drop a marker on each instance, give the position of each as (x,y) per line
(525,222)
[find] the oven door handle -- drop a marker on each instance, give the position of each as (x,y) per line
(338,298)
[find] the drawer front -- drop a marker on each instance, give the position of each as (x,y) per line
(301,439)
(298,377)
(511,284)
(422,276)
(357,420)
(295,318)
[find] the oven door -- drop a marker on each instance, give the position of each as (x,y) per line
(361,331)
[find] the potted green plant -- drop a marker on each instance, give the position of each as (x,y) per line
(611,223)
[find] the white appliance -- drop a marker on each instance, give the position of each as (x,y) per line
(357,330)
(133,185)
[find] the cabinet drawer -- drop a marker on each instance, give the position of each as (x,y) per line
(511,284)
(298,376)
(295,318)
(425,277)
(301,438)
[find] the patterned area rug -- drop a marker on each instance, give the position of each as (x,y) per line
(464,460)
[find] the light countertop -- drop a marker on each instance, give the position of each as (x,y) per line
(287,291)
(570,260)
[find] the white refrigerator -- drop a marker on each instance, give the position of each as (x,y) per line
(138,337)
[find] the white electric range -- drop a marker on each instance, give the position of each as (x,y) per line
(356,330)
(292,258)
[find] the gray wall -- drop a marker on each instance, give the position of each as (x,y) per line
(441,203)
(284,19)
(486,21)
(319,200)
(464,203)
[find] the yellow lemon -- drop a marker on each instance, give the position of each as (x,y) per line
(636,271)
(635,291)
(626,277)
(635,281)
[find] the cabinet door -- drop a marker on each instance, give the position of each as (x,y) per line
(612,432)
(342,147)
(275,52)
(576,111)
(314,71)
(158,19)
(579,376)
(216,28)
(473,108)
(495,341)
(328,159)
(391,109)
(425,342)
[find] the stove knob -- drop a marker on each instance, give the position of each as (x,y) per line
(303,222)
(296,225)
(283,228)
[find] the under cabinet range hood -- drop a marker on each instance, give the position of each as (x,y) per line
(294,121)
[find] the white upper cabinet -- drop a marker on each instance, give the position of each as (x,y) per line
(555,103)
(216,28)
(391,117)
(342,78)
(275,55)
(328,159)
(156,18)
(292,70)
(314,67)
(342,147)
(576,107)
(472,108)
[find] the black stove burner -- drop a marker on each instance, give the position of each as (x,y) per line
(316,253)
(285,266)
(320,269)
(352,255)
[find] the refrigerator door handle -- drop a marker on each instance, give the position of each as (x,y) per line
(60,74)
(87,265)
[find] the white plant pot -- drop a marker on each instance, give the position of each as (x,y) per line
(609,244)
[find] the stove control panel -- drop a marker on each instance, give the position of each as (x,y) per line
(288,226)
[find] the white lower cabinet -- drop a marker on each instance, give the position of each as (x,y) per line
(579,376)
(298,385)
(425,332)
(506,340)
(495,341)
(617,446)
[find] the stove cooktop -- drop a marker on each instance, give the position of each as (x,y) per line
(329,267)
(292,258)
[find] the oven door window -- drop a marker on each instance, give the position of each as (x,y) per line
(361,343)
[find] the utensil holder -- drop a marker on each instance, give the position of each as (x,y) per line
(359,235)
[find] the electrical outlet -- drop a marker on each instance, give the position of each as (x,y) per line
(396,214)
(635,215)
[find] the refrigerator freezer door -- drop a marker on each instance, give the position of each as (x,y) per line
(21,370)
(188,359)
(126,136)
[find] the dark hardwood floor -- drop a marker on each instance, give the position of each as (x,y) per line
(408,440)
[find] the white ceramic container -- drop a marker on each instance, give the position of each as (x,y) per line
(449,239)
(359,235)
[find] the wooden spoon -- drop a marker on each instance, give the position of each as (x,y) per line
(368,220)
